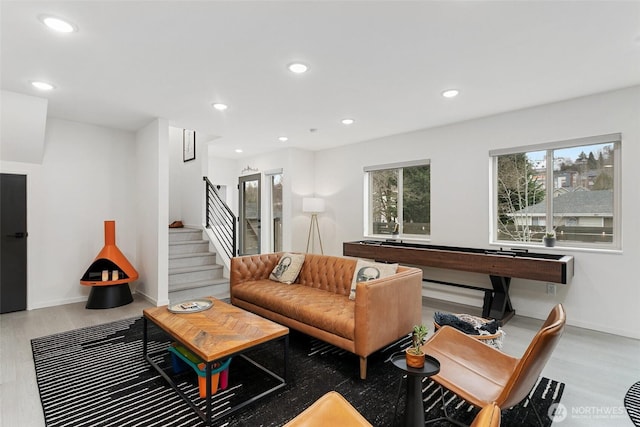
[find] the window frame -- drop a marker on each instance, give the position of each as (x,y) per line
(368,202)
(270,175)
(549,148)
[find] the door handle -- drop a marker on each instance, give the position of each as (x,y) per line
(18,235)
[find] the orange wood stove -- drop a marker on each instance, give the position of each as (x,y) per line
(110,274)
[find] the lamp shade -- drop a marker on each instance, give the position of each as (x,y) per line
(312,204)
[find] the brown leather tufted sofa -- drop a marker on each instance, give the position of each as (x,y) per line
(318,302)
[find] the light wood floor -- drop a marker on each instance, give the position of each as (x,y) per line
(597,368)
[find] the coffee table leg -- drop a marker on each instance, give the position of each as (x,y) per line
(415,409)
(144,337)
(286,359)
(208,384)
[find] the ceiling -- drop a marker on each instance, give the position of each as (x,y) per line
(382,63)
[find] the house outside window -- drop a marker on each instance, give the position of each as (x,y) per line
(570,188)
(398,200)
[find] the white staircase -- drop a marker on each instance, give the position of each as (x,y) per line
(193,271)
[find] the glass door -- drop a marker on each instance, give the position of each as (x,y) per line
(249,230)
(276,212)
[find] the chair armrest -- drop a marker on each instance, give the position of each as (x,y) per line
(386,309)
(489,416)
(332,409)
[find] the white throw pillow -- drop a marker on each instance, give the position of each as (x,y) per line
(288,268)
(367,270)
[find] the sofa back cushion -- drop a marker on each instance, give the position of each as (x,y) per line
(328,273)
(252,267)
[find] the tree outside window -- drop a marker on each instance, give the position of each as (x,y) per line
(384,199)
(399,201)
(518,188)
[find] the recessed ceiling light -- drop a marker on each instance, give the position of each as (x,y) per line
(42,85)
(219,106)
(57,24)
(347,121)
(238,150)
(450,93)
(283,139)
(298,68)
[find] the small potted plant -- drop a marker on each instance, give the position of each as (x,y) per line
(414,354)
(549,239)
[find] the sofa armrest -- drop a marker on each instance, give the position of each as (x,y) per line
(251,267)
(386,309)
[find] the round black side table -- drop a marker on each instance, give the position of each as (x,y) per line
(414,408)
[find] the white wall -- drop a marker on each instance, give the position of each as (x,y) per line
(175,179)
(84,179)
(297,181)
(152,214)
(297,166)
(224,172)
(23,121)
(186,188)
(604,292)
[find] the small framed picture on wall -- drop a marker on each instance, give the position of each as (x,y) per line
(188,145)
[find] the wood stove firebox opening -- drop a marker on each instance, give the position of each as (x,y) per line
(104,272)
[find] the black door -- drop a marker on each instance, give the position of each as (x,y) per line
(13,243)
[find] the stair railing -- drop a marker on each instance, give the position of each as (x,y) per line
(220,219)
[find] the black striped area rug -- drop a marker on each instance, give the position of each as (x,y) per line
(96,376)
(632,403)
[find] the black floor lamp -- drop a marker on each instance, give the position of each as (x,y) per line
(314,206)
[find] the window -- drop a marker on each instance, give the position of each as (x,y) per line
(398,199)
(275,209)
(276,212)
(571,188)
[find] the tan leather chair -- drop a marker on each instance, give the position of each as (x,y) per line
(330,410)
(481,374)
(489,416)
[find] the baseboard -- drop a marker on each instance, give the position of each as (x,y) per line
(74,300)
(152,300)
(54,303)
(453,295)
(592,326)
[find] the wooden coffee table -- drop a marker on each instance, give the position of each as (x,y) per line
(216,334)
